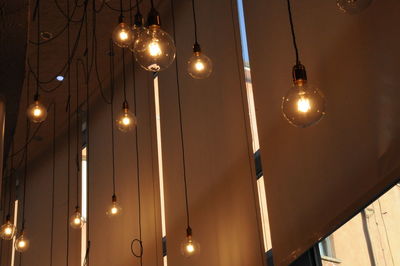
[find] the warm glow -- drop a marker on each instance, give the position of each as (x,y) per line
(199,66)
(77,220)
(22,244)
(303,105)
(123,35)
(154,49)
(114,210)
(126,121)
(8,231)
(37,112)
(190,247)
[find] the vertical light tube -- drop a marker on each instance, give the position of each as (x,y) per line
(84,204)
(13,241)
(160,160)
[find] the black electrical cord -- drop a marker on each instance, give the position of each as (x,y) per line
(152,4)
(53,185)
(112,115)
(10,179)
(121,8)
(25,163)
(38,49)
(124,75)
(293,33)
(194,22)
(68,133)
(180,119)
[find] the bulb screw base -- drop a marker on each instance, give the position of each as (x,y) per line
(299,74)
(139,21)
(125,105)
(154,18)
(189,232)
(36,97)
(196,48)
(114,198)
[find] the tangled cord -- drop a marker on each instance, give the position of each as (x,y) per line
(140,245)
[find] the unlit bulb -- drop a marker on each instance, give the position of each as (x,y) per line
(7,230)
(76,220)
(122,35)
(36,112)
(21,243)
(126,120)
(199,66)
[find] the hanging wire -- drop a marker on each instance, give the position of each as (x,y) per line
(10,179)
(37,10)
(180,118)
(194,22)
(112,114)
(69,131)
(152,4)
(25,163)
(124,75)
(121,8)
(53,185)
(293,33)
(78,149)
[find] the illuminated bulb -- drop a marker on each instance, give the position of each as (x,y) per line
(199,65)
(353,6)
(155,49)
(7,230)
(303,104)
(189,247)
(21,243)
(126,120)
(36,112)
(137,30)
(77,221)
(114,209)
(122,35)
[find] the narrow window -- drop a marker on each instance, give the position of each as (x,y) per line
(254,130)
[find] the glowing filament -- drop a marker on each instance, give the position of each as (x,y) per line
(303,105)
(199,66)
(114,210)
(77,220)
(154,49)
(8,231)
(123,35)
(37,112)
(126,121)
(21,244)
(190,247)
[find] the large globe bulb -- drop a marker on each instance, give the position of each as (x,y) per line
(155,49)
(77,221)
(21,243)
(353,6)
(303,105)
(199,66)
(7,230)
(36,112)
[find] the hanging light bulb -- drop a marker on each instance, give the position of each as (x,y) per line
(137,30)
(189,247)
(7,230)
(303,105)
(21,243)
(353,6)
(199,65)
(36,112)
(114,209)
(122,34)
(77,221)
(155,49)
(126,120)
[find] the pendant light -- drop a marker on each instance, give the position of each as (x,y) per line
(21,243)
(154,50)
(303,105)
(122,34)
(77,221)
(126,119)
(189,247)
(138,25)
(353,7)
(199,65)
(114,209)
(7,230)
(37,112)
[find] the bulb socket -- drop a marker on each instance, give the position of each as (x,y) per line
(196,48)
(189,232)
(77,209)
(36,97)
(125,106)
(114,198)
(153,18)
(120,19)
(8,217)
(139,21)
(299,74)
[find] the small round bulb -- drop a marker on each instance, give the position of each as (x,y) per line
(114,209)
(77,221)
(189,247)
(199,66)
(21,243)
(155,49)
(36,112)
(353,7)
(122,35)
(126,120)
(7,230)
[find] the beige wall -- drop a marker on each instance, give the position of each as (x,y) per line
(383,218)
